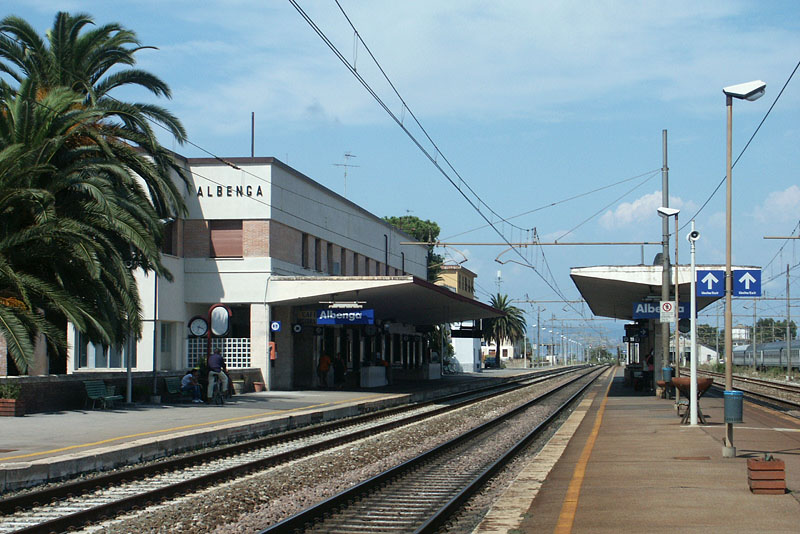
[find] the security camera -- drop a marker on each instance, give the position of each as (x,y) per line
(693,236)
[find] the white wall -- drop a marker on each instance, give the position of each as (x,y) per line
(468,353)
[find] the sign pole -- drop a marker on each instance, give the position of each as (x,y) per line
(693,356)
(677,314)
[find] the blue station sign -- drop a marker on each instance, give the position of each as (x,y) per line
(710,283)
(346,316)
(651,310)
(747,283)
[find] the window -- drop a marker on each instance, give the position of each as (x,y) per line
(343,266)
(317,255)
(355,263)
(166,338)
(329,258)
(304,251)
(403,262)
(168,245)
(226,239)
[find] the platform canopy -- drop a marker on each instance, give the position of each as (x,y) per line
(405,299)
(613,290)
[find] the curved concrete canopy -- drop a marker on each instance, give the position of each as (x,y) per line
(612,290)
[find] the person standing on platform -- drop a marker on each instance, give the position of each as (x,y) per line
(323,367)
(339,368)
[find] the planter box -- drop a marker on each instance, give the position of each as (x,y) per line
(12,408)
(766,477)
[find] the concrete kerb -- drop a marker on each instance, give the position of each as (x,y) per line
(14,476)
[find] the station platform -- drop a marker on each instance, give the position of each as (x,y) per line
(623,463)
(47,446)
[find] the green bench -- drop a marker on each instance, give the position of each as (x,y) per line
(96,390)
(173,387)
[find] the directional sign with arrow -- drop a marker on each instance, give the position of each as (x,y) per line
(710,283)
(747,283)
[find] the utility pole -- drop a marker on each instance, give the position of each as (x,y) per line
(754,333)
(788,329)
(662,360)
(538,334)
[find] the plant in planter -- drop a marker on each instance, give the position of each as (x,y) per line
(10,403)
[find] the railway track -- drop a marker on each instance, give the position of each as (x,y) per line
(79,503)
(782,394)
(424,493)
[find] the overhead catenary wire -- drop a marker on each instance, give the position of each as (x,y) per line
(433,158)
(746,145)
(558,202)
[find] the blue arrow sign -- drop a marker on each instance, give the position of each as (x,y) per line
(710,283)
(747,283)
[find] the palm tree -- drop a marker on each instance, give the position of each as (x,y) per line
(72,217)
(83,182)
(93,63)
(511,325)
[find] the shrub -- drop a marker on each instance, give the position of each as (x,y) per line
(10,391)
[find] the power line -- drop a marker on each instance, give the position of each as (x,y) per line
(745,146)
(556,203)
(432,158)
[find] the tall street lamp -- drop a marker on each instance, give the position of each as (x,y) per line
(744,91)
(693,236)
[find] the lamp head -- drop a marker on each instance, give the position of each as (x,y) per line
(747,91)
(667,212)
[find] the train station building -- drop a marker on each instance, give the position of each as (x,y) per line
(299,270)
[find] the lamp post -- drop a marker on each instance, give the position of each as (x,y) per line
(744,91)
(693,237)
(155,398)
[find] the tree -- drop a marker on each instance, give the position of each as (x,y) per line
(70,217)
(425,231)
(83,183)
(93,63)
(511,325)
(768,329)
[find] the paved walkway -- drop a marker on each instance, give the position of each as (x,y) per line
(632,467)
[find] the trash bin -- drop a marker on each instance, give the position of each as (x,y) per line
(666,374)
(733,406)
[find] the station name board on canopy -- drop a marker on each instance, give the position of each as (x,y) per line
(652,310)
(346,316)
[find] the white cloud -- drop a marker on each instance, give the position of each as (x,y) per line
(641,210)
(490,60)
(779,206)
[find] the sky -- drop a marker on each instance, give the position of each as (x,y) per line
(546,114)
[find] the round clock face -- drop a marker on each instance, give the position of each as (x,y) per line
(198,326)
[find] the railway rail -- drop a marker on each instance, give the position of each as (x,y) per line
(782,394)
(70,505)
(423,494)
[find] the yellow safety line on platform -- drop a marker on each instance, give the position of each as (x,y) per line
(185,427)
(567,516)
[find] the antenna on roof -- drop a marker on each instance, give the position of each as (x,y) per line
(346,165)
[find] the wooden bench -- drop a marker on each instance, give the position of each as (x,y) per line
(96,391)
(173,387)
